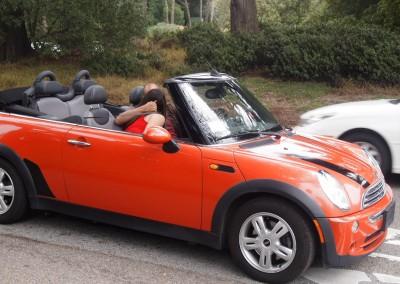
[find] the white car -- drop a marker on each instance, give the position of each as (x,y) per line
(374,125)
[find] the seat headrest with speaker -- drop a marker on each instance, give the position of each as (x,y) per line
(49,88)
(81,86)
(82,82)
(95,94)
(136,95)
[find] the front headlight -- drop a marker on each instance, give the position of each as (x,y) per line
(334,190)
(314,119)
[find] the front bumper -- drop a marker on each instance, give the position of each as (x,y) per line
(343,246)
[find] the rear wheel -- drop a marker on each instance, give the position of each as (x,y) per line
(375,146)
(271,240)
(13,201)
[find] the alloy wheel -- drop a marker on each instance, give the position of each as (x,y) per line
(6,191)
(267,242)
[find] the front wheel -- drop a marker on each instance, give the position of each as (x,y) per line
(271,240)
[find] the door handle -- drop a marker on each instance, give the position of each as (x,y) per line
(79,143)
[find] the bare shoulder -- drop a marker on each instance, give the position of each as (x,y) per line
(155,116)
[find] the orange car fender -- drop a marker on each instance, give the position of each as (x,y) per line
(248,189)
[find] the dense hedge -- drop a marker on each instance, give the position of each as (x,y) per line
(328,52)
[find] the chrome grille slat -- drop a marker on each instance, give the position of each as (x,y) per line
(373,194)
(373,191)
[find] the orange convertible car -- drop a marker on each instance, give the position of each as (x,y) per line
(233,177)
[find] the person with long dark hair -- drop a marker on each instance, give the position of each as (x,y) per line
(125,118)
(140,123)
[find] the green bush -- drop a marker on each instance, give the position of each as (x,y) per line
(119,63)
(209,48)
(324,52)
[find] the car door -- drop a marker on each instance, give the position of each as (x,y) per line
(38,143)
(120,172)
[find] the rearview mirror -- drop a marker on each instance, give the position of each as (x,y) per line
(157,135)
(215,93)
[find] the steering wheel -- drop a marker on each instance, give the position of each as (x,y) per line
(83,74)
(45,74)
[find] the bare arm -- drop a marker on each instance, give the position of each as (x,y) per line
(126,116)
(154,120)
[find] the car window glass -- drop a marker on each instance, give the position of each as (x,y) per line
(222,109)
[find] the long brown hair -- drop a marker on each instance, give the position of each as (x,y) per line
(157,96)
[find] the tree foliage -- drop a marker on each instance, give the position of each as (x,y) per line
(65,27)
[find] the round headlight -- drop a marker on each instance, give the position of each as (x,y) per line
(334,190)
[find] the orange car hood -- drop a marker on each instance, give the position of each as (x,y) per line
(322,151)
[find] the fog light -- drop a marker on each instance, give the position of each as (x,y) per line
(355,226)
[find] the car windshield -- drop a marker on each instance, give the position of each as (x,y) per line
(226,111)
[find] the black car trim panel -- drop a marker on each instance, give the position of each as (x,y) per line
(129,222)
(41,184)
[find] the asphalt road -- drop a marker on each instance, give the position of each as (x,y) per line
(59,249)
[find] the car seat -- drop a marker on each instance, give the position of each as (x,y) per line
(44,96)
(98,116)
(81,83)
(135,97)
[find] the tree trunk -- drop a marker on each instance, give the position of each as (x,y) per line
(172,11)
(244,16)
(187,13)
(16,44)
(210,10)
(201,10)
(166,11)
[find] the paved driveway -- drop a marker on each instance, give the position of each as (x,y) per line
(59,249)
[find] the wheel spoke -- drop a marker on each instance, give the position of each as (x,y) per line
(265,259)
(283,252)
(259,226)
(3,205)
(2,174)
(279,230)
(7,190)
(250,243)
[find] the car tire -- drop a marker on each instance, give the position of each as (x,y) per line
(13,200)
(294,234)
(364,138)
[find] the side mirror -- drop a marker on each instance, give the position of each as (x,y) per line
(157,135)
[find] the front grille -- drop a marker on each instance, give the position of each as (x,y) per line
(373,194)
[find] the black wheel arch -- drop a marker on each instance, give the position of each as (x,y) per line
(13,158)
(250,189)
(254,188)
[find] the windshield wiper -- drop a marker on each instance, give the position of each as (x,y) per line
(240,135)
(274,131)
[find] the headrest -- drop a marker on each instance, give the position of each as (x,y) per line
(95,94)
(136,95)
(66,96)
(49,88)
(82,85)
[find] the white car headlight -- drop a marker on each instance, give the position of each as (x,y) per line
(314,119)
(334,190)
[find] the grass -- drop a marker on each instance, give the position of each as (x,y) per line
(286,99)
